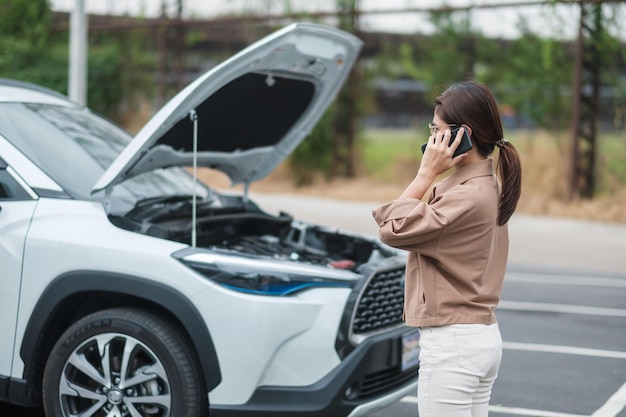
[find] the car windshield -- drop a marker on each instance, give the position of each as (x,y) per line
(74,147)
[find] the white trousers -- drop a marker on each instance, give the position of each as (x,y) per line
(458,366)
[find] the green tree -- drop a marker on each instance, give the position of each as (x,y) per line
(535,77)
(332,146)
(25,51)
(313,156)
(530,74)
(447,55)
(451,52)
(120,73)
(30,51)
(25,19)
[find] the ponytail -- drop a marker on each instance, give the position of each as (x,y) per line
(510,170)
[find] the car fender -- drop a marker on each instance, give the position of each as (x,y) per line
(83,282)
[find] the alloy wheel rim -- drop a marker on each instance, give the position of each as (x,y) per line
(114,375)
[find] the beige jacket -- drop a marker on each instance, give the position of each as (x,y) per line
(457,252)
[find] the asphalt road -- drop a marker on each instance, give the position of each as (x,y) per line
(564,348)
(562,315)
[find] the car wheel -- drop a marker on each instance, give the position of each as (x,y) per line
(123,362)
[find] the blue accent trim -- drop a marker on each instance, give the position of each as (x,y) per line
(282,290)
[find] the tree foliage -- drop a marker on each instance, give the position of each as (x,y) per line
(120,72)
(331,147)
(530,74)
(314,155)
(537,80)
(30,51)
(24,19)
(25,51)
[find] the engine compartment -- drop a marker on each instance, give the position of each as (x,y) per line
(233,224)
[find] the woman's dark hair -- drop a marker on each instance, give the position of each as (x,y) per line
(472,103)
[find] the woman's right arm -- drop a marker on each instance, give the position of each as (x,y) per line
(410,224)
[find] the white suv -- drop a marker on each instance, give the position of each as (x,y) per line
(128,288)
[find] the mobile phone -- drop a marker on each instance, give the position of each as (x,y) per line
(464,146)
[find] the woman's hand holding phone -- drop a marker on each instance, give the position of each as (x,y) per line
(443,151)
(466,142)
(439,156)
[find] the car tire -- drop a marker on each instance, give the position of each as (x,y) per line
(123,362)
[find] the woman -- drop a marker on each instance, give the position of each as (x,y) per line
(457,247)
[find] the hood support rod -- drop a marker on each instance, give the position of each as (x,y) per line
(194,119)
(246,188)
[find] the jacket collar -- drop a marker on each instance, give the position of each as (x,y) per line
(483,168)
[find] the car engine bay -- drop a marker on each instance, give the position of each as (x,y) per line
(235,224)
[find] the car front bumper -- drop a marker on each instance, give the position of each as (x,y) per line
(370,377)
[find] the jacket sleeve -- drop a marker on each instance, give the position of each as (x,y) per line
(416,226)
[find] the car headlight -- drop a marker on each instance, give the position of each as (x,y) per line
(263,276)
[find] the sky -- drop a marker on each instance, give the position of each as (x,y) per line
(558,21)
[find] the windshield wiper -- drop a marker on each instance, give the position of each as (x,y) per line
(152,207)
(151,201)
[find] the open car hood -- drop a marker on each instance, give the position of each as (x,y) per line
(246,115)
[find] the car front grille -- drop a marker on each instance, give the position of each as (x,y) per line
(381,302)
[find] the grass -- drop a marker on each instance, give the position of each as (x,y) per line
(380,149)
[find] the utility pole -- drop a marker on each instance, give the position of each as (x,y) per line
(586,100)
(77,88)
